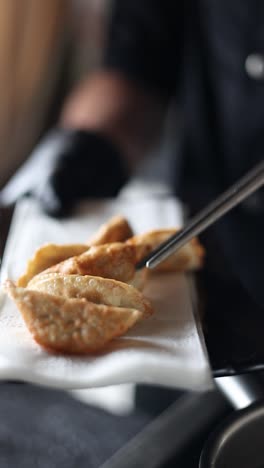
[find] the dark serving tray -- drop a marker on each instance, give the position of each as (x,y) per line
(232,325)
(232,321)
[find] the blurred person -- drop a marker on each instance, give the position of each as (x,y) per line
(209,57)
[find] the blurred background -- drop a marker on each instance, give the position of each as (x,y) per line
(45,47)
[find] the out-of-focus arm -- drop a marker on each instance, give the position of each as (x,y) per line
(113,117)
(112,104)
(127,99)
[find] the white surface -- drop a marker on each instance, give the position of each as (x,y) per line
(117,399)
(164,349)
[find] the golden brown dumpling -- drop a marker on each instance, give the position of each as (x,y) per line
(71,325)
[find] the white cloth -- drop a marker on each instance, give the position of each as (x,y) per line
(165,349)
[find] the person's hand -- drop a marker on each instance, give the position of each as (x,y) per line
(68,165)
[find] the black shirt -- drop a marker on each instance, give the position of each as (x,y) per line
(197,51)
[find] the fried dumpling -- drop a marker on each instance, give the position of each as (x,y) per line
(117,229)
(70,325)
(115,260)
(189,257)
(93,288)
(48,255)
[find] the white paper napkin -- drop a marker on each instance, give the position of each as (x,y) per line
(165,349)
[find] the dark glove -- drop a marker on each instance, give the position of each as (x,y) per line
(67,166)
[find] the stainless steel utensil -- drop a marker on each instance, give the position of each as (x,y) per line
(244,187)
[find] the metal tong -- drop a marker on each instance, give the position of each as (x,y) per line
(244,187)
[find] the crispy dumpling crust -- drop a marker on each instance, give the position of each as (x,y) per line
(117,229)
(71,325)
(48,255)
(189,257)
(116,261)
(92,288)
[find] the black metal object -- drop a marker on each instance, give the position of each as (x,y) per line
(232,323)
(238,441)
(172,433)
(233,327)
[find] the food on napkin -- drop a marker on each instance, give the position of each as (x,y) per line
(48,255)
(117,229)
(76,298)
(71,325)
(116,260)
(92,288)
